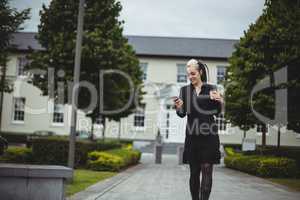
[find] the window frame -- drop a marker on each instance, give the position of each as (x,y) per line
(139,118)
(144,68)
(21,111)
(22,61)
(58,114)
(219,75)
(181,73)
(221,122)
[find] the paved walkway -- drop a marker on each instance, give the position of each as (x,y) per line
(169,181)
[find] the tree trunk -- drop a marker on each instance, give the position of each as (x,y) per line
(103,130)
(119,131)
(263,138)
(2,84)
(92,129)
(245,133)
(278,137)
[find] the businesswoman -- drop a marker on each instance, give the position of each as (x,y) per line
(200,101)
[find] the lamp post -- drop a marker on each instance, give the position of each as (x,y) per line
(72,138)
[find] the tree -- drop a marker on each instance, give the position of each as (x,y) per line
(270,44)
(103,48)
(11,21)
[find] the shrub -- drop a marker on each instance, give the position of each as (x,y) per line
(113,160)
(17,155)
(15,137)
(264,166)
(129,156)
(102,161)
(3,145)
(54,150)
(277,167)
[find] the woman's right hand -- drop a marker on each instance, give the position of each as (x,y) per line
(178,102)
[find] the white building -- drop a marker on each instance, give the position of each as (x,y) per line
(163,61)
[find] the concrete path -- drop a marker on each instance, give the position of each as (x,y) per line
(169,181)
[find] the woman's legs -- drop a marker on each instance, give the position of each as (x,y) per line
(206,181)
(195,170)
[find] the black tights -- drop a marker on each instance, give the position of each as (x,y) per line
(206,180)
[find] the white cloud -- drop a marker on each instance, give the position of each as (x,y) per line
(189,18)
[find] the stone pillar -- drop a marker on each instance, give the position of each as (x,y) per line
(180,149)
(158,153)
(33,182)
(158,147)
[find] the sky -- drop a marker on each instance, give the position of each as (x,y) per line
(176,18)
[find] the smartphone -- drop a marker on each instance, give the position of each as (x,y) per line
(175,98)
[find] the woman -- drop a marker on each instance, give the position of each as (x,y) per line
(200,102)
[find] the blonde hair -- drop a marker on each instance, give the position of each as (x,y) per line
(199,65)
(192,63)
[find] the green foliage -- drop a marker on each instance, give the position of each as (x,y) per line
(288,152)
(11,20)
(20,155)
(113,160)
(3,145)
(103,161)
(54,150)
(12,137)
(264,166)
(129,155)
(230,151)
(103,48)
(277,167)
(269,44)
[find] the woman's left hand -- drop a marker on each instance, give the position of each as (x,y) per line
(215,95)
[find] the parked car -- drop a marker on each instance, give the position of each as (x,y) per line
(83,134)
(42,133)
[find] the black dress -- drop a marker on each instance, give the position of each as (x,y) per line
(201,136)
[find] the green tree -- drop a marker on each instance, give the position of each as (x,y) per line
(103,48)
(10,22)
(269,44)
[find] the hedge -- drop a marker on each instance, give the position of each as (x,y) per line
(20,155)
(54,150)
(113,160)
(12,137)
(3,145)
(288,152)
(263,166)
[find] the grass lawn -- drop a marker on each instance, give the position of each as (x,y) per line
(85,178)
(293,184)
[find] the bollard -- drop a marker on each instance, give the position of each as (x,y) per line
(180,149)
(158,148)
(158,153)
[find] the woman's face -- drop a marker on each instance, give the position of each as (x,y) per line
(193,74)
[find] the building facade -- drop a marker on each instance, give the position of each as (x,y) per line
(162,59)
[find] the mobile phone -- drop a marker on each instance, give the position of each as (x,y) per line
(175,98)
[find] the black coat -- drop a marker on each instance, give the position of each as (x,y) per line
(201,136)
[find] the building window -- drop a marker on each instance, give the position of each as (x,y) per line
(221,122)
(144,67)
(58,114)
(22,62)
(260,127)
(19,109)
(181,73)
(99,120)
(221,72)
(139,118)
